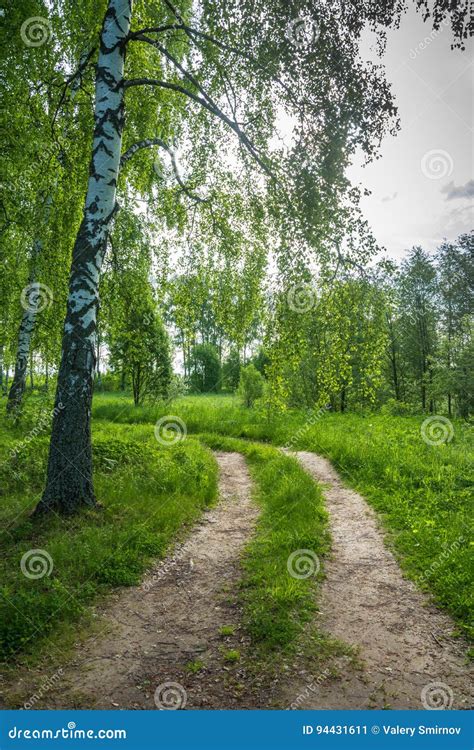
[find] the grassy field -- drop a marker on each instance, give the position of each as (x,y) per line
(422,492)
(151,493)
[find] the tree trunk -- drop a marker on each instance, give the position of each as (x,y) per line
(99,377)
(1,370)
(31,300)
(32,375)
(393,359)
(69,482)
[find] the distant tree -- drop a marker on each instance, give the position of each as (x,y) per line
(142,348)
(455,268)
(418,315)
(205,369)
(250,385)
(231,370)
(260,360)
(463,380)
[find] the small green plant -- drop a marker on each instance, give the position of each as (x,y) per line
(195,666)
(232,655)
(250,385)
(227,630)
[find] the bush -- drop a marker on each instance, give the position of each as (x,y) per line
(250,385)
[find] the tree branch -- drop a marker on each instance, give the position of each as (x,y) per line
(208,104)
(148,143)
(192,33)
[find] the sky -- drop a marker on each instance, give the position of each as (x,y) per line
(423,183)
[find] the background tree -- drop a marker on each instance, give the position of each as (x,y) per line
(250,385)
(205,369)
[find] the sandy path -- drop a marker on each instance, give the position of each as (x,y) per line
(172,619)
(404,641)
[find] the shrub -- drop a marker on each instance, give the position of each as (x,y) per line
(250,385)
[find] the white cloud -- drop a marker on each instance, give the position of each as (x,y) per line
(462,191)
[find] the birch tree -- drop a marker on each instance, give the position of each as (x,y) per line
(35,296)
(236,64)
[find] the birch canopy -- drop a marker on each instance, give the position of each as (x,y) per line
(128,90)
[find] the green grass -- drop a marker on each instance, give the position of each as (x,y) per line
(227,630)
(149,494)
(231,655)
(423,493)
(276,605)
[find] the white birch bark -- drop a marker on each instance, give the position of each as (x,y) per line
(69,477)
(33,295)
(31,300)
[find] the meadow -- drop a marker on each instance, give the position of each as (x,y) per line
(150,494)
